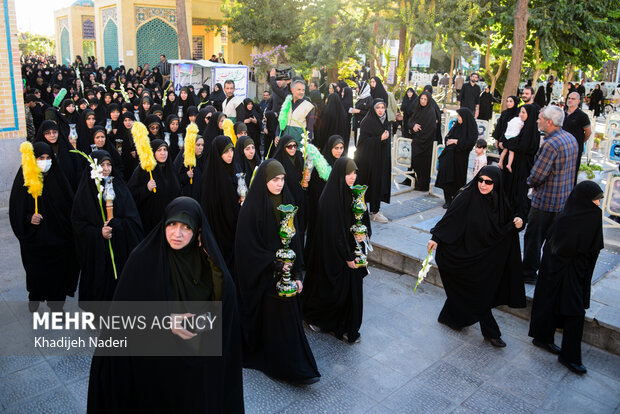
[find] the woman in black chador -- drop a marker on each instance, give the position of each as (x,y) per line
(184,174)
(46,239)
(460,140)
(178,261)
(128,152)
(423,124)
(374,158)
(407,107)
(219,198)
(97,282)
(333,298)
(331,151)
(333,120)
(151,204)
(478,255)
(246,158)
(49,134)
(273,334)
(563,288)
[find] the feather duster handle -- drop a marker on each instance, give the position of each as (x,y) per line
(229,130)
(61,95)
(189,151)
(33,179)
(320,163)
(143,148)
(284,112)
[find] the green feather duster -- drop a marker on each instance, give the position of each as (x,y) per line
(285,111)
(60,97)
(320,163)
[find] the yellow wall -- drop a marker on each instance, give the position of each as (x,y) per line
(74,15)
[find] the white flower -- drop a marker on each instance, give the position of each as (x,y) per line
(96,172)
(426,267)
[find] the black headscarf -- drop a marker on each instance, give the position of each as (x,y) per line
(466,132)
(110,148)
(217,96)
(188,383)
(241,164)
(47,250)
(62,151)
(154,119)
(129,162)
(212,130)
(151,204)
(540,97)
(333,120)
(378,92)
(200,120)
(254,129)
(506,115)
(97,282)
(219,198)
(426,117)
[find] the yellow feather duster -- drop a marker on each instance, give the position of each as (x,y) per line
(229,130)
(143,148)
(189,152)
(33,178)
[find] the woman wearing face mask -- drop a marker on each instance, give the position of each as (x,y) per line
(333,300)
(332,150)
(373,156)
(273,334)
(61,147)
(479,256)
(97,280)
(219,198)
(184,174)
(45,239)
(178,262)
(151,205)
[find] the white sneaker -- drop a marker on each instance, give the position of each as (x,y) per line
(379,218)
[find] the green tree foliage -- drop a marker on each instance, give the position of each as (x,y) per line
(35,44)
(263,23)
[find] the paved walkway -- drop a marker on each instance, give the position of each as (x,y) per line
(406,362)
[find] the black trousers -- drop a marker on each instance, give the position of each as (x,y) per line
(544,331)
(538,223)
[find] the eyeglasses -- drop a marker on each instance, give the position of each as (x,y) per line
(487,182)
(291,146)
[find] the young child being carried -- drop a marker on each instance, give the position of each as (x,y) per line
(515,125)
(481,155)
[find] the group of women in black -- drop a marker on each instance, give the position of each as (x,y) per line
(237,232)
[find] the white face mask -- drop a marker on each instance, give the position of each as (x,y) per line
(44,165)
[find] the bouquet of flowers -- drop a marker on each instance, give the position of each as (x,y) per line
(426,267)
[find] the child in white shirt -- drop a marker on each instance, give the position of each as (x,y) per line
(515,125)
(481,155)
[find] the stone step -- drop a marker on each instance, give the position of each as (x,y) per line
(602,327)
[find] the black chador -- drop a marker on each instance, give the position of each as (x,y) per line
(333,297)
(157,272)
(273,334)
(97,281)
(47,249)
(151,204)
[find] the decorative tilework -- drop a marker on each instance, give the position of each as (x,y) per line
(88,27)
(110,44)
(107,14)
(144,14)
(63,23)
(155,38)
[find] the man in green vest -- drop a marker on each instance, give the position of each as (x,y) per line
(233,105)
(301,114)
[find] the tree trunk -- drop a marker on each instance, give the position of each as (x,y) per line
(373,50)
(402,47)
(332,74)
(487,63)
(568,76)
(184,49)
(521,17)
(537,64)
(496,76)
(451,73)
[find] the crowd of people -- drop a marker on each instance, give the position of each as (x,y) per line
(209,229)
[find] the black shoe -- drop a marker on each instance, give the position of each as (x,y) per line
(576,368)
(307,381)
(553,348)
(445,206)
(529,280)
(33,305)
(496,342)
